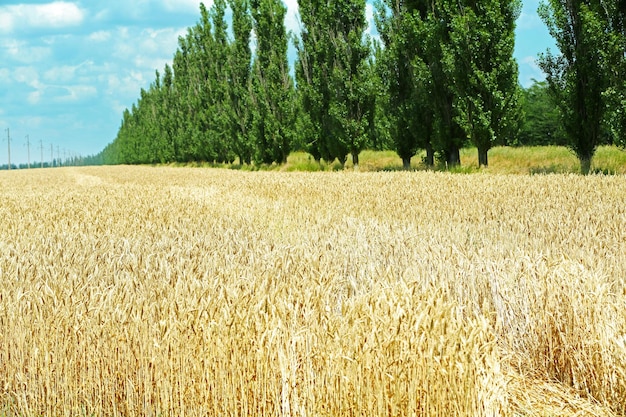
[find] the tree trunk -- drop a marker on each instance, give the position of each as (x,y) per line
(483,157)
(453,156)
(430,155)
(585,165)
(355,160)
(406,163)
(342,161)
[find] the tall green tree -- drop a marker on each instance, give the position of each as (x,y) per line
(483,73)
(239,62)
(406,76)
(336,77)
(183,108)
(541,122)
(190,82)
(434,27)
(616,94)
(272,87)
(420,33)
(168,114)
(352,102)
(382,118)
(313,74)
(581,74)
(201,88)
(219,82)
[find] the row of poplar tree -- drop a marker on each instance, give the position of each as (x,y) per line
(442,77)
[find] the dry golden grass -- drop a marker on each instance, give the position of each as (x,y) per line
(502,160)
(137,291)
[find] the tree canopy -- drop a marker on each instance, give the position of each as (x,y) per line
(441,77)
(589,36)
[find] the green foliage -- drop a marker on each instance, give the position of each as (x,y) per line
(353,78)
(542,123)
(407,77)
(273,91)
(434,27)
(199,109)
(240,71)
(336,78)
(442,77)
(381,138)
(580,77)
(479,62)
(313,77)
(450,73)
(615,95)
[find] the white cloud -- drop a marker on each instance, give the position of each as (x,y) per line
(124,10)
(100,36)
(61,94)
(60,84)
(530,69)
(148,49)
(102,15)
(159,41)
(21,52)
(34,97)
(31,121)
(292,18)
(76,93)
(33,54)
(185,5)
(60,74)
(27,75)
(118,107)
(529,21)
(293,22)
(369,16)
(55,15)
(67,74)
(6,20)
(530,60)
(127,85)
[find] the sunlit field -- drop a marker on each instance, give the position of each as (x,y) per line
(502,160)
(160,291)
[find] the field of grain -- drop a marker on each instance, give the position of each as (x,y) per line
(142,291)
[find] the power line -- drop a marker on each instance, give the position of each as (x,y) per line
(41,147)
(28,146)
(9,146)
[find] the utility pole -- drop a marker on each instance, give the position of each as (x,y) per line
(28,146)
(9,145)
(59,156)
(41,147)
(52,155)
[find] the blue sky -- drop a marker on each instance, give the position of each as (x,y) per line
(69,68)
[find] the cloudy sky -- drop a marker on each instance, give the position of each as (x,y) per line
(69,68)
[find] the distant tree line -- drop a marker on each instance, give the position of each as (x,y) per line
(442,77)
(58,162)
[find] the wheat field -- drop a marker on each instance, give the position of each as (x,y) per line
(159,291)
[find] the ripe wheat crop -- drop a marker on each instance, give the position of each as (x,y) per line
(141,291)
